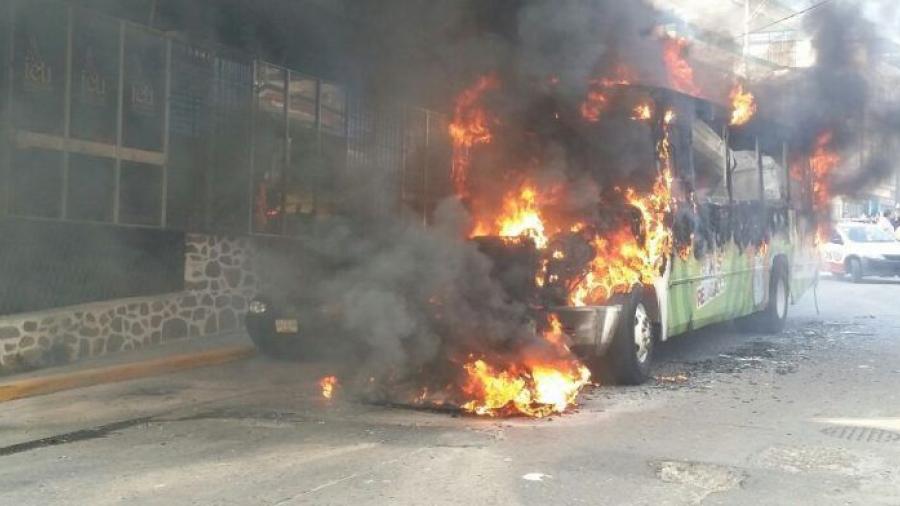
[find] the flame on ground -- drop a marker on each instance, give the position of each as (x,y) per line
(680,72)
(743,105)
(534,387)
(328,384)
(470,126)
(536,390)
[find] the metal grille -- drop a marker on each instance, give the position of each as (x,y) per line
(375,143)
(46,264)
(229,160)
(862,434)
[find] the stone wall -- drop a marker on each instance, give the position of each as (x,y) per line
(219,280)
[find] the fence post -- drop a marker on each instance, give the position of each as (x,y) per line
(164,205)
(119,124)
(6,193)
(287,149)
(252,176)
(67,112)
(426,168)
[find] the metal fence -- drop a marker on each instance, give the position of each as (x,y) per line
(116,139)
(110,122)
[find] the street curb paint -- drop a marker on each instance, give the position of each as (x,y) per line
(32,387)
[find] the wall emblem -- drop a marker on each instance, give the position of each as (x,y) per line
(38,73)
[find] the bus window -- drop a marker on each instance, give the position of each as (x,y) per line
(745,176)
(710,184)
(774,171)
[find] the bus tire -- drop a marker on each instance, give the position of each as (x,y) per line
(630,354)
(854,267)
(773,318)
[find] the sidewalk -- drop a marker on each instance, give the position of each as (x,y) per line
(151,361)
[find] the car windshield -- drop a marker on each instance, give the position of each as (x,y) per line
(868,234)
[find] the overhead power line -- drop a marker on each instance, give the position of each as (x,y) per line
(759,8)
(786,18)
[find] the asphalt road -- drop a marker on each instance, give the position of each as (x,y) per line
(811,416)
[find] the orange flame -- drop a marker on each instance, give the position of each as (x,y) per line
(680,72)
(743,105)
(594,105)
(642,112)
(537,390)
(620,260)
(822,162)
(597,97)
(328,384)
(470,126)
(520,217)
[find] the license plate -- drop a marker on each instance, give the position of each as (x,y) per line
(286,326)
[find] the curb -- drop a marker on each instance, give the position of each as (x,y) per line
(32,387)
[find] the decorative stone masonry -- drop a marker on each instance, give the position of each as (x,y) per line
(219,281)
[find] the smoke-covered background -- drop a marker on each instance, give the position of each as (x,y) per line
(413,294)
(424,298)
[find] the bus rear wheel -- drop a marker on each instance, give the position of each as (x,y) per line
(772,319)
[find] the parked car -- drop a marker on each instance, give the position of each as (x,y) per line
(862,249)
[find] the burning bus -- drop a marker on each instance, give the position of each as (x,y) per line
(634,215)
(713,225)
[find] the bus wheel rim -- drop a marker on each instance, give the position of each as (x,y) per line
(643,335)
(781,299)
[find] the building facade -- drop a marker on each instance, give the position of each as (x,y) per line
(140,173)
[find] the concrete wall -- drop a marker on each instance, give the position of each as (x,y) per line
(219,280)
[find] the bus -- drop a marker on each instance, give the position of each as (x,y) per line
(744,232)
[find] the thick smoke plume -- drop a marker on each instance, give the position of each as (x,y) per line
(423,298)
(420,299)
(842,94)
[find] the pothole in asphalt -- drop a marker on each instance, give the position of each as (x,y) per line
(703,477)
(862,434)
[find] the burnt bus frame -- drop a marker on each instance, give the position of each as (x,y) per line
(593,328)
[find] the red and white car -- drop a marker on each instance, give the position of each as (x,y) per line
(862,249)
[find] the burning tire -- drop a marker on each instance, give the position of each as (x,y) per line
(627,362)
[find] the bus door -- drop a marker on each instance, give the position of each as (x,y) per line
(703,260)
(804,227)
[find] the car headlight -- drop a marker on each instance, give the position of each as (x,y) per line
(257,307)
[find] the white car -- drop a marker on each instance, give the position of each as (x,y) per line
(862,249)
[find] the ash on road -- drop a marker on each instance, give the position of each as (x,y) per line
(811,416)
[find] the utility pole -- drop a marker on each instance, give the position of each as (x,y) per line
(746,48)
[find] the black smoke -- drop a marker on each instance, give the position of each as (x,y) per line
(843,93)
